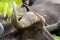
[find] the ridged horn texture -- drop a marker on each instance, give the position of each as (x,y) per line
(27,19)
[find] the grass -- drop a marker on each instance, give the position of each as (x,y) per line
(56,37)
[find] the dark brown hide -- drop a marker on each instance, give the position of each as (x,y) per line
(31,33)
(35,34)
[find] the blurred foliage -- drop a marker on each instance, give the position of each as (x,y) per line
(56,37)
(6,6)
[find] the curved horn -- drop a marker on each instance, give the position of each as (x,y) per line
(27,20)
(42,21)
(14,20)
(14,17)
(17,24)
